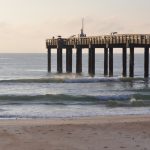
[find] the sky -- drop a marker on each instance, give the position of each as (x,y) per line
(26,24)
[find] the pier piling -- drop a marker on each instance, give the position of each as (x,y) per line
(92,61)
(105,61)
(68,59)
(146,62)
(131,63)
(59,60)
(49,59)
(110,61)
(124,62)
(79,60)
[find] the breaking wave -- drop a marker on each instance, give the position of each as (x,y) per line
(74,80)
(60,99)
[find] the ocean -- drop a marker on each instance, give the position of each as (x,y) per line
(27,90)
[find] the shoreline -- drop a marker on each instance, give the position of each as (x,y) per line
(93,133)
(79,120)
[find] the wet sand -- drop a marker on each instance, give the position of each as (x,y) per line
(93,133)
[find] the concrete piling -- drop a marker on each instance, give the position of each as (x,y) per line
(91,61)
(110,61)
(146,62)
(105,61)
(124,62)
(69,60)
(131,63)
(79,60)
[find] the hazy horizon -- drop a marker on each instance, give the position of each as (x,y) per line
(25,25)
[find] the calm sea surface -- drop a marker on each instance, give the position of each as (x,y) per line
(28,91)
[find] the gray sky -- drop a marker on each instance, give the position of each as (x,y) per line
(25,24)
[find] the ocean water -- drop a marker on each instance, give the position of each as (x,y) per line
(28,91)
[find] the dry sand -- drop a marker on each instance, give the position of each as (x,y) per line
(95,133)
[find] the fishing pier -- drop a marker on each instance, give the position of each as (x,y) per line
(107,43)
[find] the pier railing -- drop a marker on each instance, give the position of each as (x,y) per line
(108,42)
(98,40)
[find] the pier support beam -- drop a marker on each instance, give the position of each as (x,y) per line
(146,62)
(105,61)
(59,60)
(131,63)
(124,62)
(92,61)
(79,60)
(49,59)
(69,60)
(111,61)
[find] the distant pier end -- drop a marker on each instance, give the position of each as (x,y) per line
(108,43)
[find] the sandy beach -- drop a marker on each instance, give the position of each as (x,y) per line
(94,133)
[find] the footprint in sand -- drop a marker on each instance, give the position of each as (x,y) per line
(18,133)
(106,147)
(122,147)
(137,145)
(51,130)
(69,133)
